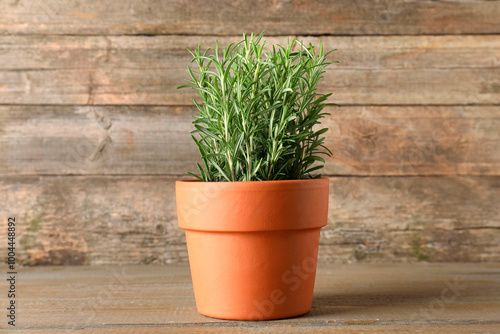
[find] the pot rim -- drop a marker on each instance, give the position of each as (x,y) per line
(250,206)
(267,181)
(254,185)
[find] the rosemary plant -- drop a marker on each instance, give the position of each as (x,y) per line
(258,110)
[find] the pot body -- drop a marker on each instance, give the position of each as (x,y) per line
(253,246)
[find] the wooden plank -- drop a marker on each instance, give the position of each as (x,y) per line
(428,140)
(444,298)
(100,220)
(124,70)
(62,140)
(231,18)
(434,219)
(239,329)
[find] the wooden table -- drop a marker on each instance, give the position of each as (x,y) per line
(374,298)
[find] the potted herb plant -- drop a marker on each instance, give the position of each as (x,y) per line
(253,214)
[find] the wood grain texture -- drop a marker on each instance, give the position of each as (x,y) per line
(128,140)
(62,140)
(232,18)
(378,219)
(471,327)
(122,220)
(417,298)
(93,132)
(125,70)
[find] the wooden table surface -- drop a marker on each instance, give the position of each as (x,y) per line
(374,298)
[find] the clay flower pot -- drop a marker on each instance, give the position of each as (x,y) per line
(253,245)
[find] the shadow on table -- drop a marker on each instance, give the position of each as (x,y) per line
(340,301)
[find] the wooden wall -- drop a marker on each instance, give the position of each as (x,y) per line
(93,133)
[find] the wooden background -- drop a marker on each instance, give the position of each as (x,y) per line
(93,133)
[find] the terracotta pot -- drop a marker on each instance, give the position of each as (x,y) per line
(253,245)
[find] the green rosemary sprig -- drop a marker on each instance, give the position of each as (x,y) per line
(258,111)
